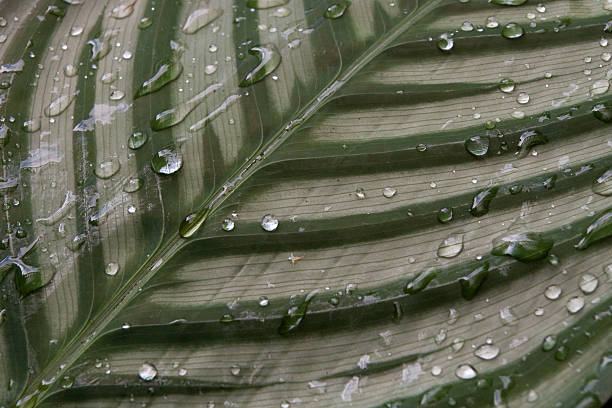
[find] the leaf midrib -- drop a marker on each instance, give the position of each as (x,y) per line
(173,243)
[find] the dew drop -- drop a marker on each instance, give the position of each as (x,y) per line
(599,87)
(575,304)
(436,371)
(132,185)
(269,223)
(506,85)
(70,70)
(167,71)
(360,193)
(487,352)
(122,10)
(264,301)
(235,370)
(147,372)
(602,185)
(116,95)
(446,43)
(477,146)
(201,18)
(445,215)
(337,10)
(588,284)
(523,98)
(144,23)
(451,246)
(167,161)
(107,169)
(58,105)
(549,342)
(75,31)
(112,268)
(512,31)
(525,247)
(269,59)
(466,372)
(492,22)
(481,201)
(265,4)
(389,192)
(210,69)
(553,292)
(599,229)
(228,225)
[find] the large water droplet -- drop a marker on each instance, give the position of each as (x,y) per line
(295,315)
(575,304)
(123,10)
(112,268)
(58,105)
(603,112)
(167,161)
(477,146)
(147,372)
(600,228)
(602,185)
(193,222)
(553,292)
(529,139)
(264,4)
(588,283)
(168,70)
(446,43)
(466,372)
(100,47)
(451,246)
(137,139)
(201,18)
(472,282)
(487,352)
(173,116)
(269,59)
(508,2)
(523,246)
(228,225)
(107,169)
(512,31)
(481,201)
(600,87)
(269,223)
(420,282)
(337,10)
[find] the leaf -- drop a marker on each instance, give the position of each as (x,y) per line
(345,137)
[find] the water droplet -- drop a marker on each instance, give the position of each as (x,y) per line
(131,209)
(132,185)
(228,225)
(529,139)
(167,161)
(360,193)
(508,2)
(451,246)
(471,283)
(269,223)
(540,8)
(575,304)
(213,48)
(264,301)
(201,18)
(295,315)
(144,23)
(281,12)
(453,316)
(602,185)
(561,353)
(539,312)
(466,372)
(75,31)
(524,246)
(264,4)
(457,344)
(111,268)
(147,372)
(477,146)
(167,71)
(446,43)
(599,87)
(57,106)
(512,31)
(70,70)
(126,55)
(421,147)
(137,140)
(436,371)
(66,382)
(285,404)
(337,10)
(108,78)
(588,283)
(235,370)
(506,316)
(600,228)
(467,26)
(122,10)
(492,22)
(440,337)
(553,292)
(269,59)
(100,47)
(445,215)
(182,372)
(481,201)
(173,116)
(389,192)
(420,282)
(116,95)
(553,259)
(192,223)
(522,98)
(549,342)
(107,169)
(487,352)
(210,69)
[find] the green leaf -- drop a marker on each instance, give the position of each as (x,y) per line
(305,203)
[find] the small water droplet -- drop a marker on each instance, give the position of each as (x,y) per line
(182,372)
(506,316)
(75,31)
(436,371)
(126,55)
(440,337)
(575,304)
(492,22)
(588,284)
(487,352)
(445,215)
(553,292)
(235,370)
(539,312)
(263,301)
(466,372)
(602,185)
(553,259)
(228,225)
(111,268)
(144,23)
(512,31)
(337,10)
(481,201)
(58,105)
(265,4)
(108,78)
(107,169)
(522,98)
(210,69)
(477,146)
(389,192)
(137,139)
(122,10)
(541,8)
(549,342)
(599,87)
(269,223)
(116,95)
(132,185)
(446,43)
(451,246)
(167,161)
(360,193)
(147,372)
(70,70)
